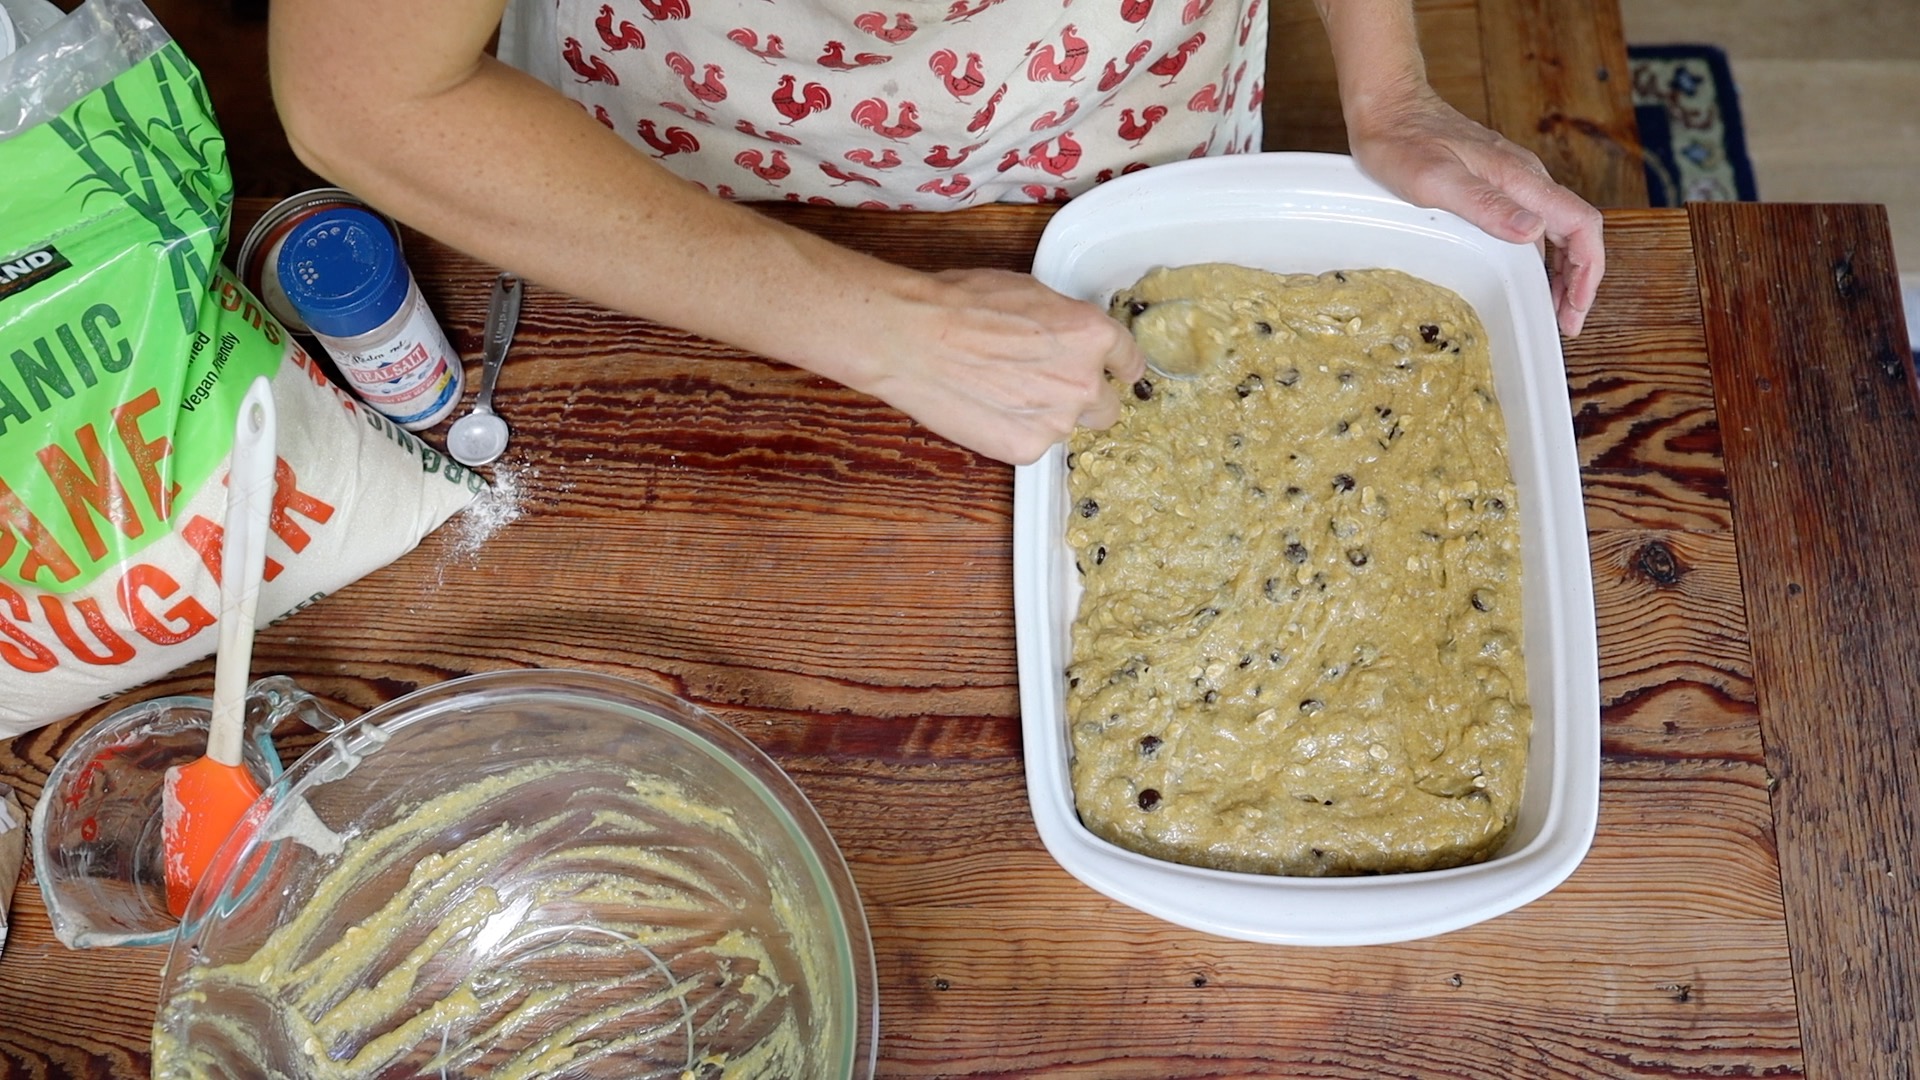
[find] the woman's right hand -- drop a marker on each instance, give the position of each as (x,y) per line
(1000,363)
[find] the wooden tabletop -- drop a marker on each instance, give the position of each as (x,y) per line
(835,582)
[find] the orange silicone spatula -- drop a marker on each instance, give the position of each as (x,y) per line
(204,800)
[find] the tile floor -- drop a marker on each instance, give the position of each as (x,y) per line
(1830,94)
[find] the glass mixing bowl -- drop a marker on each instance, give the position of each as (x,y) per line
(521,874)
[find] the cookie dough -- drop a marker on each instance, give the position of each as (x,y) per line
(1298,650)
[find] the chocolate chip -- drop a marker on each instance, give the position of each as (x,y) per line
(1143,390)
(1357,556)
(1137,307)
(1100,555)
(1342,482)
(1210,697)
(1297,552)
(1087,507)
(1312,705)
(1248,385)
(1264,327)
(1149,798)
(1149,745)
(1482,600)
(1429,333)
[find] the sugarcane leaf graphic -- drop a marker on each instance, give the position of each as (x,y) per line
(146,151)
(174,128)
(189,271)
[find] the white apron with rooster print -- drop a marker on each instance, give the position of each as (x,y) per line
(905,104)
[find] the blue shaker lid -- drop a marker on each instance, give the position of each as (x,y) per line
(341,270)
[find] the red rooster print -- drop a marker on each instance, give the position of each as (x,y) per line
(591,69)
(951,186)
(1107,174)
(945,62)
(1246,24)
(1011,160)
(1206,100)
(1135,11)
(813,98)
(1039,193)
(1059,163)
(1073,56)
(872,115)
(709,88)
(1168,66)
(675,140)
(1114,75)
(775,49)
(662,10)
(985,115)
(812,200)
(745,127)
(692,114)
(943,158)
(842,177)
(1233,87)
(1133,130)
(1194,10)
(887,159)
(1053,119)
(835,57)
(628,36)
(772,172)
(961,11)
(601,114)
(875,23)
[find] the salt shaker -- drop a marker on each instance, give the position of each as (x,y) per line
(345,275)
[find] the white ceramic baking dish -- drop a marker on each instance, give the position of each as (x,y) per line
(1317,212)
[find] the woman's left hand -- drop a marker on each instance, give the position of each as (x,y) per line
(1426,152)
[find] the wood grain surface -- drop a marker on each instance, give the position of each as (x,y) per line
(834,581)
(1810,351)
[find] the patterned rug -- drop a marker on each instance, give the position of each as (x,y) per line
(1689,118)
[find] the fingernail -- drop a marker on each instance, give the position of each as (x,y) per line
(1527,221)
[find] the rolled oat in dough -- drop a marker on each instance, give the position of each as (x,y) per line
(1298,650)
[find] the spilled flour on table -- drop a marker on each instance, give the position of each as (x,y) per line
(500,505)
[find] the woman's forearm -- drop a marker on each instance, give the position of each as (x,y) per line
(418,121)
(398,101)
(1376,54)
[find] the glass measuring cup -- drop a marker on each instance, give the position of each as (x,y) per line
(97,851)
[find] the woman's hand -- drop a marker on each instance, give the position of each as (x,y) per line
(1426,152)
(1001,364)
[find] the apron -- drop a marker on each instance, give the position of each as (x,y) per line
(905,104)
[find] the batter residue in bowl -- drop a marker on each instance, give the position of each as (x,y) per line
(1298,650)
(628,929)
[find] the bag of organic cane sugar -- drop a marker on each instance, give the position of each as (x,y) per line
(125,348)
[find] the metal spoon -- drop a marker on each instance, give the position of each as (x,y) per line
(480,437)
(1179,338)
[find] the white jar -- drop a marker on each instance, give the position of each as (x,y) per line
(343,272)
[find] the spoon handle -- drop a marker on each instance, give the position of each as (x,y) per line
(503,315)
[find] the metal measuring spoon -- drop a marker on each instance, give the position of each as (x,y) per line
(1180,338)
(480,437)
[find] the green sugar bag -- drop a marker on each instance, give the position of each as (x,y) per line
(125,347)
